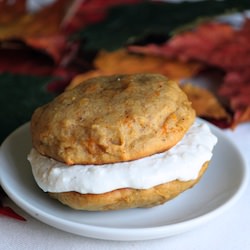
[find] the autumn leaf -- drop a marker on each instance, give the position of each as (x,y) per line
(40,30)
(123,62)
(35,43)
(11,10)
(127,24)
(48,29)
(39,43)
(206,105)
(34,24)
(232,56)
(220,46)
(31,43)
(196,45)
(7,211)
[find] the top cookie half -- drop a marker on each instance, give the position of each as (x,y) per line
(112,119)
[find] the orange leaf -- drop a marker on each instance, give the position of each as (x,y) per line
(45,22)
(40,30)
(205,103)
(123,62)
(11,10)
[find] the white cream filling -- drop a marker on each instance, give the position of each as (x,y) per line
(182,162)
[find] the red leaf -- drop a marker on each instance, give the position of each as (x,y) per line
(191,45)
(7,211)
(221,46)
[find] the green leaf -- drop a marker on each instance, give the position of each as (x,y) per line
(19,96)
(126,24)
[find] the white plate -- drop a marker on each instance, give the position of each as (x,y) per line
(220,187)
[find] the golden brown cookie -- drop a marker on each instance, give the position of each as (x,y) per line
(127,197)
(112,119)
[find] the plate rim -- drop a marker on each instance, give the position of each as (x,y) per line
(129,234)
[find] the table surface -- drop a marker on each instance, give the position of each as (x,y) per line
(230,230)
